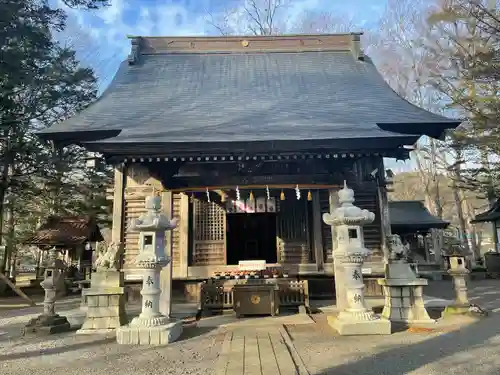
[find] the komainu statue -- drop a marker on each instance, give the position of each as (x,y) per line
(109,257)
(397,251)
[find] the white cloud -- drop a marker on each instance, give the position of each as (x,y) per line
(105,31)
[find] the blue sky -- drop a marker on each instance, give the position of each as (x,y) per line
(100,36)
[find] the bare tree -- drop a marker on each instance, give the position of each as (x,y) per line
(273,17)
(254,17)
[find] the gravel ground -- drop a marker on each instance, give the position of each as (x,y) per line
(70,354)
(457,347)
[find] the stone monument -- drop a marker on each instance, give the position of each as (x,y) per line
(403,290)
(151,327)
(49,322)
(356,318)
(105,297)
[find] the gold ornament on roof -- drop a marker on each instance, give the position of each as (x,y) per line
(245,43)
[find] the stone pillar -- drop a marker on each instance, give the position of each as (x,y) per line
(151,327)
(49,322)
(348,220)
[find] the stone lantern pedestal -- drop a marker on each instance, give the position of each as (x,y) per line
(49,322)
(403,293)
(151,327)
(105,297)
(355,318)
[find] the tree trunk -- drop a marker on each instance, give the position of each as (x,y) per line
(457,196)
(4,185)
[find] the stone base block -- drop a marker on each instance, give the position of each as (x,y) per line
(404,302)
(47,325)
(161,335)
(353,327)
(105,313)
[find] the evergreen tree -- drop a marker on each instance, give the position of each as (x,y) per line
(41,83)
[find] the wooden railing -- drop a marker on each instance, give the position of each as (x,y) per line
(218,294)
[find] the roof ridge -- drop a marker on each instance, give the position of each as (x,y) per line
(283,43)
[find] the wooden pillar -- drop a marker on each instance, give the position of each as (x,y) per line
(317,225)
(118,203)
(385,222)
(184,235)
(166,272)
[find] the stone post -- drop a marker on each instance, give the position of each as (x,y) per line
(355,318)
(151,327)
(49,322)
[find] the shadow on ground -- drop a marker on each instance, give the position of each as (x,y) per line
(462,344)
(63,349)
(405,359)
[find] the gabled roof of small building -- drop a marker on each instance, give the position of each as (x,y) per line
(220,92)
(413,216)
(66,232)
(493,214)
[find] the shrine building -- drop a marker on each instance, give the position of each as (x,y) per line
(248,140)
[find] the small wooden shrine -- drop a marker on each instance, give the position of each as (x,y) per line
(73,237)
(247,140)
(491,216)
(412,222)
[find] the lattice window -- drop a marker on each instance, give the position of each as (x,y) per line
(292,223)
(209,221)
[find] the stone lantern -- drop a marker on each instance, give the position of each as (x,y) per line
(355,318)
(151,327)
(50,322)
(455,253)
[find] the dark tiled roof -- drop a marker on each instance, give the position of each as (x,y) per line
(274,96)
(65,231)
(413,215)
(493,214)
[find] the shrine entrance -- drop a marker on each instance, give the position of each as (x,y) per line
(251,236)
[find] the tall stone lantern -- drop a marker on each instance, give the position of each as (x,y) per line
(355,318)
(151,327)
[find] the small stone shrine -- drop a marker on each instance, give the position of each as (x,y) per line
(403,290)
(49,322)
(356,318)
(105,297)
(151,327)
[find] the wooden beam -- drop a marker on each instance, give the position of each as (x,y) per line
(317,233)
(230,181)
(18,291)
(202,189)
(184,235)
(118,203)
(166,273)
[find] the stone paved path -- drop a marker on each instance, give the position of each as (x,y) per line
(261,351)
